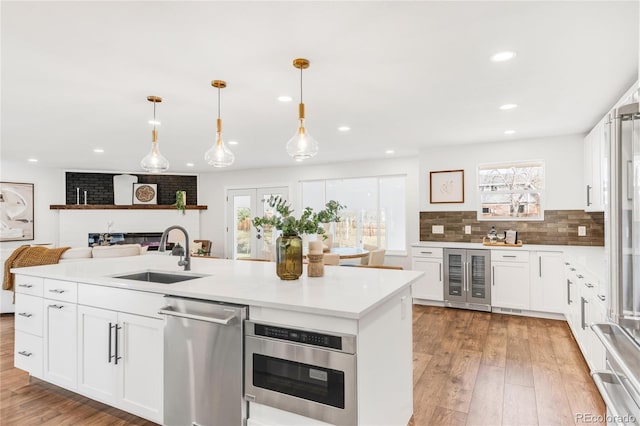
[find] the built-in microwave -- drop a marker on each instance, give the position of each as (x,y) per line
(307,372)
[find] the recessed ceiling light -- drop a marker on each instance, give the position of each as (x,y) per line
(509,132)
(233,142)
(155,122)
(344,128)
(285,98)
(503,56)
(98,150)
(390,151)
(508,106)
(299,160)
(32,160)
(190,164)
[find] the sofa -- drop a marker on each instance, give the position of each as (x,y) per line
(118,250)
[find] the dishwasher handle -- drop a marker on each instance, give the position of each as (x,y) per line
(166,310)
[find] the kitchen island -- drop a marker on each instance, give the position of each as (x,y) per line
(63,309)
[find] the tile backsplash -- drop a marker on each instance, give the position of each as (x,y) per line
(559,227)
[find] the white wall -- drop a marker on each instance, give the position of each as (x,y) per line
(48,189)
(214,185)
(563,157)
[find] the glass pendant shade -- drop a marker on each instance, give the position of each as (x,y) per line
(219,155)
(302,145)
(154,161)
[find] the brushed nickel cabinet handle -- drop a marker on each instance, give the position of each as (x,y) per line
(25,353)
(25,285)
(57,290)
(25,314)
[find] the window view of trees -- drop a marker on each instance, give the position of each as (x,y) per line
(511,191)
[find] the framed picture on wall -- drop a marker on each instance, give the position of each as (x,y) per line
(446,186)
(16,211)
(145,193)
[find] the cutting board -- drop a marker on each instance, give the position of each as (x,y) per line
(123,189)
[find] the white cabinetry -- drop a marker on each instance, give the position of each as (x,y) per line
(430,285)
(28,350)
(60,344)
(594,157)
(120,355)
(510,280)
(548,289)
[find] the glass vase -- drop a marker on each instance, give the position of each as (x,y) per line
(289,257)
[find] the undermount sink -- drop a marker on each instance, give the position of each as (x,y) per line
(158,277)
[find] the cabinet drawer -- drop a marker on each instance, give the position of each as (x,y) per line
(28,314)
(29,285)
(27,354)
(509,256)
(426,252)
(121,300)
(66,291)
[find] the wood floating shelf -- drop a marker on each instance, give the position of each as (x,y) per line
(119,207)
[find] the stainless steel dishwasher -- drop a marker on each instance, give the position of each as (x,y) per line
(203,353)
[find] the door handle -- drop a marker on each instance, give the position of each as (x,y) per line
(440,271)
(540,266)
(115,355)
(111,326)
(168,311)
(568,291)
(629,180)
(583,302)
(588,195)
(493,276)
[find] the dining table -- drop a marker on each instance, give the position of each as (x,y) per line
(349,252)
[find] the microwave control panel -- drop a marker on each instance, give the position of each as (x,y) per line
(299,336)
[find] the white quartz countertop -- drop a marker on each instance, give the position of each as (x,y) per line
(347,292)
(591,259)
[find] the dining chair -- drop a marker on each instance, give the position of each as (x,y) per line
(376,257)
(369,248)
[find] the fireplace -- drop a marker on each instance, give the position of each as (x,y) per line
(149,239)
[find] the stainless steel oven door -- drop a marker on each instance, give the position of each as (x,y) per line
(312,382)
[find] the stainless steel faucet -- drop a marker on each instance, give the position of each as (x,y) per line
(187,257)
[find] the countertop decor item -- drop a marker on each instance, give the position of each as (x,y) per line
(181,201)
(301,146)
(219,155)
(145,193)
(289,244)
(154,161)
(122,185)
(487,242)
(446,186)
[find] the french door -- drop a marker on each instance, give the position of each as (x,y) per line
(243,240)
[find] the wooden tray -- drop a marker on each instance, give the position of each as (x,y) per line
(486,242)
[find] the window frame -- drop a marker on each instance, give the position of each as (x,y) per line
(389,252)
(505,165)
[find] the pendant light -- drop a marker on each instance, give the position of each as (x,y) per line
(154,162)
(301,146)
(219,155)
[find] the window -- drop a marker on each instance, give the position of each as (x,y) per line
(375,213)
(511,191)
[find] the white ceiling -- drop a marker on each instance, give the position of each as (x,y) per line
(402,75)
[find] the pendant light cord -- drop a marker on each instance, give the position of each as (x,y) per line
(301,85)
(218,102)
(154,116)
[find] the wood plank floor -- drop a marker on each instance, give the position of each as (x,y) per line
(478,368)
(470,368)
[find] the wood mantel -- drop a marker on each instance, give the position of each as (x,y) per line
(114,207)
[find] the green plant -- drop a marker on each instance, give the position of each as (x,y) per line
(309,222)
(181,202)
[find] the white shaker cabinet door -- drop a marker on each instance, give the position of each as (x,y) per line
(429,286)
(96,348)
(141,346)
(510,285)
(548,284)
(60,337)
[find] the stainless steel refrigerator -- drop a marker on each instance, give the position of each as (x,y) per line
(620,384)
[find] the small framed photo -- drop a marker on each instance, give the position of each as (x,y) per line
(446,186)
(145,193)
(16,211)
